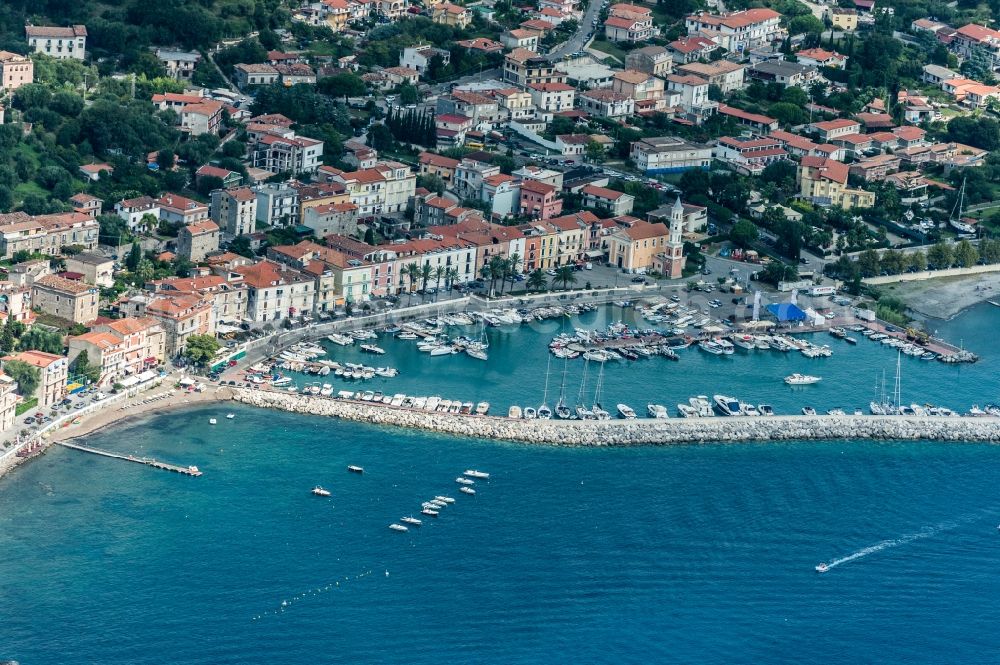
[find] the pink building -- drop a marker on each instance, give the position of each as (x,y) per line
(539,200)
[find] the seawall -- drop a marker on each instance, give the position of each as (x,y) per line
(640,431)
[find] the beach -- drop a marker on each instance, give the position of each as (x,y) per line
(946,297)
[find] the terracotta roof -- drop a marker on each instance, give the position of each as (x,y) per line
(645,230)
(204,226)
(34,357)
(433,159)
(829,169)
(603,192)
(745,115)
(632,76)
(54,31)
(56,283)
(537,187)
(130,326)
(210,171)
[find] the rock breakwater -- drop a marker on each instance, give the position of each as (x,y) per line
(637,432)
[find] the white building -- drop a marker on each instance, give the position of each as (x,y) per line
(669,154)
(61,43)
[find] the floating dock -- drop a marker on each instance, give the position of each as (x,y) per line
(186,470)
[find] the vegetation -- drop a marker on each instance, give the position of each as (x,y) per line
(201,349)
(27,376)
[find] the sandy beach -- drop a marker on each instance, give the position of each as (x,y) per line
(945,297)
(115,415)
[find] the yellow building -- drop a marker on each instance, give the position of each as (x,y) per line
(843,19)
(338,14)
(823,181)
(454,15)
(634,248)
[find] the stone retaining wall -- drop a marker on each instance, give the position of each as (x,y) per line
(637,432)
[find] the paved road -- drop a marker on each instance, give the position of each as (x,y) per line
(582,36)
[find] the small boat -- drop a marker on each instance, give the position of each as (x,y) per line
(687,411)
(802,379)
(397,527)
(319,491)
(482,408)
(212,421)
(626,411)
(472,473)
(544,412)
(467,490)
(477,353)
(822,568)
(530,413)
(371,348)
(411,520)
(355,469)
(430,512)
(444,499)
(729,406)
(701,406)
(230,416)
(657,411)
(765,409)
(808,411)
(464,481)
(514,412)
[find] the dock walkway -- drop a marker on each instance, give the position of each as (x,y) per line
(186,470)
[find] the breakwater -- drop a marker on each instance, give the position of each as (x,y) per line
(640,431)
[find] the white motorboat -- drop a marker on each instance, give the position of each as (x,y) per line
(729,406)
(397,527)
(444,499)
(319,491)
(702,407)
(341,340)
(410,520)
(529,413)
(808,411)
(355,469)
(472,473)
(514,412)
(750,410)
(687,411)
(822,568)
(626,411)
(464,481)
(282,381)
(765,409)
(230,416)
(212,421)
(657,411)
(802,379)
(710,346)
(371,348)
(466,490)
(430,512)
(482,408)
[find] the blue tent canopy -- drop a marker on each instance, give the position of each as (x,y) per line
(786,311)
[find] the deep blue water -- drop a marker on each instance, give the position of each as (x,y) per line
(676,554)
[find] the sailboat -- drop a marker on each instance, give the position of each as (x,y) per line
(478,348)
(544,412)
(597,410)
(563,411)
(956,215)
(582,412)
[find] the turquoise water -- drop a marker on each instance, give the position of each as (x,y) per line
(680,554)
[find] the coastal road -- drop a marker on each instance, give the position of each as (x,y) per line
(582,36)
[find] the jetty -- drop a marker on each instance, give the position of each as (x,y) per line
(176,468)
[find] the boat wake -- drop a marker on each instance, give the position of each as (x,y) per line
(926,532)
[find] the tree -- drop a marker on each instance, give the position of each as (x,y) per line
(370,236)
(27,376)
(426,272)
(565,275)
(408,94)
(241,245)
(869,263)
(965,254)
(380,137)
(917,261)
(134,257)
(595,152)
(39,339)
(82,367)
(940,256)
(347,84)
(496,266)
(537,280)
(893,262)
(744,233)
(201,349)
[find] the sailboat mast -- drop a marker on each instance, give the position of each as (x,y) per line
(898,394)
(548,366)
(583,381)
(600,384)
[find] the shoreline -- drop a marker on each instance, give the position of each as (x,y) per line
(944,298)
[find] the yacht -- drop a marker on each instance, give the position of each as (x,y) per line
(808,411)
(430,512)
(765,409)
(411,520)
(319,491)
(687,411)
(464,481)
(729,406)
(701,406)
(746,342)
(397,527)
(466,490)
(472,473)
(514,412)
(710,346)
(749,410)
(355,469)
(283,381)
(626,411)
(802,379)
(444,499)
(529,413)
(657,411)
(600,413)
(371,348)
(341,340)
(443,350)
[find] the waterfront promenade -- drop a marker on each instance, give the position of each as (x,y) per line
(639,431)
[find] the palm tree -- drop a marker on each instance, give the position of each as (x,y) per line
(425,274)
(537,280)
(450,275)
(566,275)
(439,274)
(496,270)
(412,272)
(504,273)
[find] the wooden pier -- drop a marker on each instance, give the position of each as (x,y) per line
(186,470)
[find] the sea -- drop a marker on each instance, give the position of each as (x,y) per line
(677,554)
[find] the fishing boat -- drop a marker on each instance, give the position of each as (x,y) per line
(355,469)
(802,379)
(626,411)
(397,527)
(710,346)
(657,411)
(728,406)
(319,491)
(745,342)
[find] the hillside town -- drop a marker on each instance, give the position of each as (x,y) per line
(160,205)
